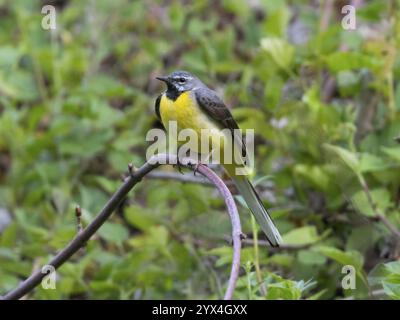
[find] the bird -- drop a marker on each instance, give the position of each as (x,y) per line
(193,105)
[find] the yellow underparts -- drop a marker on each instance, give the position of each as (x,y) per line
(188,115)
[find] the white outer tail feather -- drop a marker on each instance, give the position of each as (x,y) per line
(256,206)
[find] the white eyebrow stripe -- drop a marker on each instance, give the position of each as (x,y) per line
(184,76)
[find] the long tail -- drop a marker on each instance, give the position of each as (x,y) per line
(256,206)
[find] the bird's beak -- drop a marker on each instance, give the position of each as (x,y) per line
(164,79)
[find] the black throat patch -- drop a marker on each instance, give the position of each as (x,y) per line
(173,94)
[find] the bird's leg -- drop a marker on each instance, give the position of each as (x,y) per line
(196,166)
(178,164)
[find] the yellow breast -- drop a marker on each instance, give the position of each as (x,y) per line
(184,111)
(189,115)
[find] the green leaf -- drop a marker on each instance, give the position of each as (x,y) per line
(8,236)
(283,260)
(393,153)
(358,241)
(139,217)
(312,99)
(389,271)
(103,285)
(340,61)
(197,197)
(283,290)
(392,290)
(311,257)
(388,276)
(317,295)
(380,197)
(177,16)
(301,236)
(277,21)
(372,163)
(348,157)
(113,232)
(156,237)
(279,50)
(8,57)
(352,258)
(349,83)
(315,174)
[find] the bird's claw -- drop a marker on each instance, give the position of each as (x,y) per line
(179,165)
(195,166)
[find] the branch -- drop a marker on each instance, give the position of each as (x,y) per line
(187,178)
(135,177)
(282,246)
(379,216)
(236,228)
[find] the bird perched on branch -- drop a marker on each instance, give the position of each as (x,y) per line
(192,105)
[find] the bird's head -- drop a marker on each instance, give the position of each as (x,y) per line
(180,81)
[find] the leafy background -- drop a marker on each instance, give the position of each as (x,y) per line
(76,103)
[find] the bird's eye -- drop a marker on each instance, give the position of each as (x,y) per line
(182,80)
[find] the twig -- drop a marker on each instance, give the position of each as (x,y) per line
(236,227)
(136,176)
(326,14)
(187,178)
(263,289)
(388,225)
(78,214)
(166,175)
(378,213)
(282,246)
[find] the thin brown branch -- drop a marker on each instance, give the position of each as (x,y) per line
(326,14)
(135,177)
(282,246)
(378,215)
(168,175)
(186,178)
(236,227)
(389,225)
(78,214)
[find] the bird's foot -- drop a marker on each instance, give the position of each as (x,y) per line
(195,166)
(179,165)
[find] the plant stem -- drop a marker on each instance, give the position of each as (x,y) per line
(256,256)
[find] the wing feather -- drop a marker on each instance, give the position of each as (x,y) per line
(215,108)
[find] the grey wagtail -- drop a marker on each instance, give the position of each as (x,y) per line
(192,105)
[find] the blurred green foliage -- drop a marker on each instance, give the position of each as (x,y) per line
(76,103)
